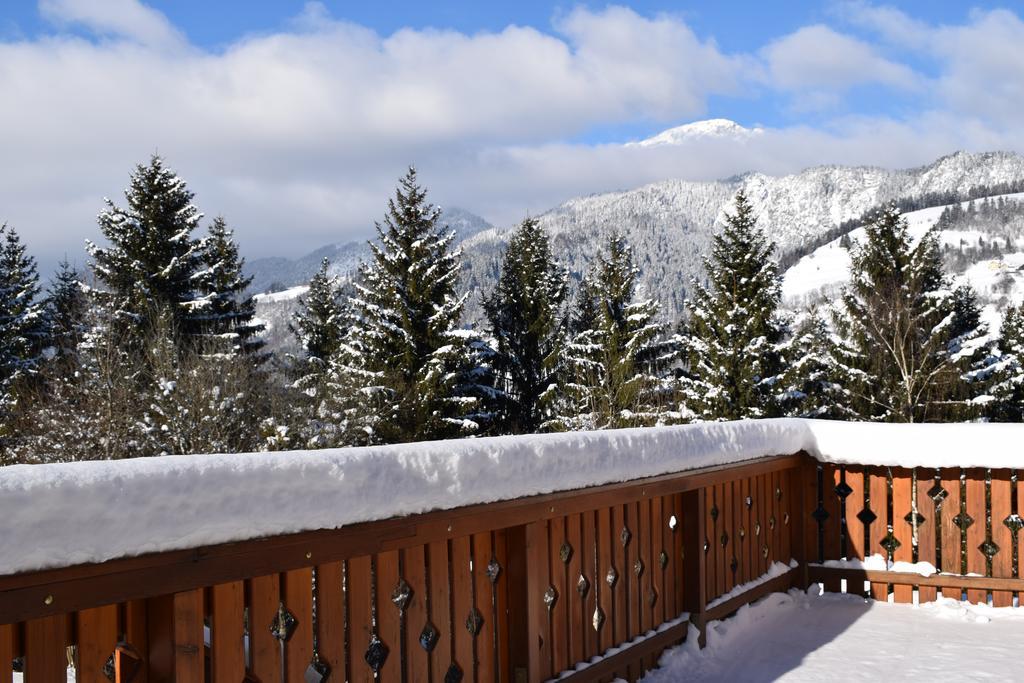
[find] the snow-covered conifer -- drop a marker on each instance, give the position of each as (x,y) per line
(67,307)
(735,329)
(223,311)
(527,322)
(151,261)
(22,318)
(1006,371)
(411,360)
(816,379)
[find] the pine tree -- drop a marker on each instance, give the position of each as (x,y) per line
(22,319)
(223,311)
(528,325)
(67,306)
(152,261)
(735,330)
(910,337)
(424,373)
(618,353)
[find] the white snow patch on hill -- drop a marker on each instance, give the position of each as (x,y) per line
(711,128)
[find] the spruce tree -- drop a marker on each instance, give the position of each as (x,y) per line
(67,307)
(410,359)
(224,313)
(911,338)
(618,353)
(527,322)
(735,329)
(152,261)
(319,323)
(22,318)
(816,379)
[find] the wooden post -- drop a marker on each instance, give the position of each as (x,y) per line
(803,487)
(693,511)
(518,598)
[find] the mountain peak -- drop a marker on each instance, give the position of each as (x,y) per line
(699,130)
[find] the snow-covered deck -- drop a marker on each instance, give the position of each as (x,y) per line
(833,637)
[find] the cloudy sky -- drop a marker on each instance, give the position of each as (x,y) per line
(293,120)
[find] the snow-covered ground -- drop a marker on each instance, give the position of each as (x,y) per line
(800,636)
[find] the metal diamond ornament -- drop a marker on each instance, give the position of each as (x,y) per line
(663,559)
(707,546)
(318,671)
(625,536)
(1014,523)
(376,654)
(963,520)
(778,493)
(598,619)
(843,490)
(771,522)
(110,669)
(638,567)
(582,585)
(724,540)
(890,543)
(914,520)
(757,528)
(611,577)
(749,501)
(401,595)
(474,622)
(284,624)
(866,516)
(785,519)
(454,674)
(652,597)
(989,549)
(550,597)
(764,552)
(734,565)
(565,553)
(937,494)
(820,514)
(714,513)
(493,570)
(429,637)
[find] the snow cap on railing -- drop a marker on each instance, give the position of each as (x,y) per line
(73,513)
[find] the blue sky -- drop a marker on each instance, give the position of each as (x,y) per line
(295,118)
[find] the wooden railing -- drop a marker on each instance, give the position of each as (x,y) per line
(518,590)
(964,522)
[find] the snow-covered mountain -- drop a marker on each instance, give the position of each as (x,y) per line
(277,273)
(710,129)
(670,223)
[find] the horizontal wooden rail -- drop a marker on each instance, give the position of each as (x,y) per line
(820,574)
(38,594)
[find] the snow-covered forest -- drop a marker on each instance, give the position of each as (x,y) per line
(156,348)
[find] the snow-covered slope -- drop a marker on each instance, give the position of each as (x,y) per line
(670,223)
(712,128)
(997,274)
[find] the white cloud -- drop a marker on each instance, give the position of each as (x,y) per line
(818,58)
(122,18)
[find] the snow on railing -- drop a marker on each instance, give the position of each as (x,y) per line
(72,513)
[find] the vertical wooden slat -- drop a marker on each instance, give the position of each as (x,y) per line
(605,599)
(560,613)
(387,615)
(950,531)
(135,633)
(440,608)
(227,632)
(97,638)
(854,505)
(718,571)
(462,601)
(6,652)
(45,654)
(619,592)
(647,568)
(670,509)
(486,669)
(574,601)
(806,478)
(189,664)
(926,532)
(748,562)
(833,523)
(692,526)
(331,618)
(657,580)
(902,530)
(418,661)
(1002,562)
(976,508)
(160,636)
(588,532)
(727,534)
(502,595)
(708,544)
(265,596)
(539,640)
(879,492)
(359,599)
(761,523)
(735,540)
(297,593)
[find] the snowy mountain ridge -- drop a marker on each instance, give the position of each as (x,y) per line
(711,128)
(670,223)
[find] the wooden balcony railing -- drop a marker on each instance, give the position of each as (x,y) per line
(518,590)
